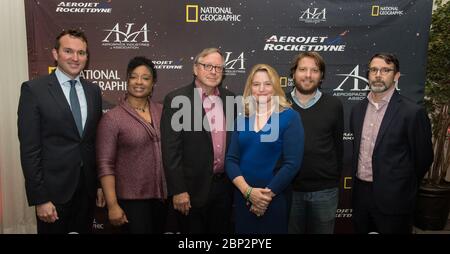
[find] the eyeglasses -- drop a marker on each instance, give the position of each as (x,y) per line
(209,67)
(383,71)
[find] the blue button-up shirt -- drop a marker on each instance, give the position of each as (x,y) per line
(310,103)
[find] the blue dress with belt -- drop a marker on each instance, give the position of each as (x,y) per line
(269,158)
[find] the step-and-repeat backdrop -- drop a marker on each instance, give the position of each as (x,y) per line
(171,33)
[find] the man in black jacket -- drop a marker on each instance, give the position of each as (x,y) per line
(194,142)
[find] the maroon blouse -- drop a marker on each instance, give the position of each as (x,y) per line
(130,149)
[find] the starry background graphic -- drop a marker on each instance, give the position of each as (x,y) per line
(170,38)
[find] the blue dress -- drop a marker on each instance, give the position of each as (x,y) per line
(269,158)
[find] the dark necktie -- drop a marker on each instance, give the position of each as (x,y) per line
(75,106)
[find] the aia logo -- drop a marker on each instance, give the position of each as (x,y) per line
(355,76)
(231,64)
(313,15)
(128,34)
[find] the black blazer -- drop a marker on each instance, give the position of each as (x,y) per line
(402,154)
(51,149)
(188,154)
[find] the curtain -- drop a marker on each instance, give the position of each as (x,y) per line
(16,217)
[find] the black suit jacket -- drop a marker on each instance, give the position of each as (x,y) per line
(402,154)
(188,154)
(51,149)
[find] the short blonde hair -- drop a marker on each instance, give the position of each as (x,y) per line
(274,78)
(206,52)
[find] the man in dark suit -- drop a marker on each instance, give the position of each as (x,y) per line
(57,122)
(392,151)
(194,142)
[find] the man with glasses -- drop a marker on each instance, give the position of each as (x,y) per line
(194,146)
(392,151)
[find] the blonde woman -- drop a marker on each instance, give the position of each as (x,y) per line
(265,154)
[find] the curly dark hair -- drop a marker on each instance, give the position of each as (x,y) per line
(142,60)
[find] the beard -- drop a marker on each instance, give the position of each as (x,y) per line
(380,87)
(304,90)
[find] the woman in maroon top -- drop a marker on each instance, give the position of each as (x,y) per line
(129,155)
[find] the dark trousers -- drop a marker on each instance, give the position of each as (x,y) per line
(215,216)
(74,216)
(144,216)
(368,218)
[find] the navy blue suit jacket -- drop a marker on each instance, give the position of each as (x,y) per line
(402,154)
(51,149)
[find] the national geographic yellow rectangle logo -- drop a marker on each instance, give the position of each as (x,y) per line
(50,69)
(375,10)
(283,81)
(346,185)
(191,13)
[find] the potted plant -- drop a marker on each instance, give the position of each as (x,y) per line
(433,202)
